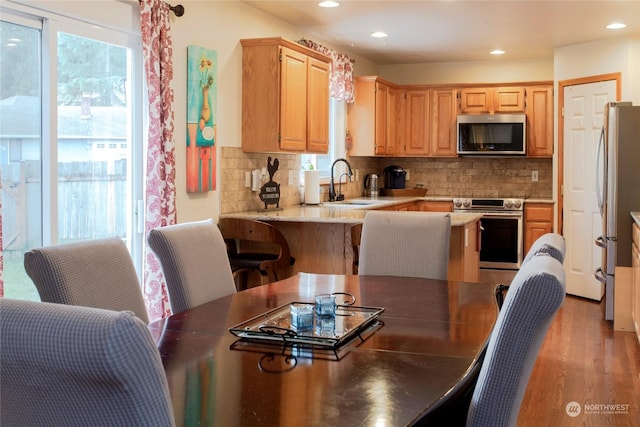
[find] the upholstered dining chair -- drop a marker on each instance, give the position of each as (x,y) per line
(65,365)
(491,393)
(93,273)
(256,246)
(535,295)
(194,261)
(412,244)
(551,243)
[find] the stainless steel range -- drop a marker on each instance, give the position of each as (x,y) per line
(502,230)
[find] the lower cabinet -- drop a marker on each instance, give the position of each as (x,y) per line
(635,281)
(538,220)
(435,206)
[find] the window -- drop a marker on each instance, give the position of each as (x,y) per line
(337,132)
(70,113)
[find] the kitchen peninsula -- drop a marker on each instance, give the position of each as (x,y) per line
(320,236)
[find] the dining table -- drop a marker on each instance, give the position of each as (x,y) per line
(417,340)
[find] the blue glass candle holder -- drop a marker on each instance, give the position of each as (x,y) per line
(326,304)
(301,316)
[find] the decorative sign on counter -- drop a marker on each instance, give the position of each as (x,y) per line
(270,192)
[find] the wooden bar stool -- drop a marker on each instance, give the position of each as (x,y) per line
(255,246)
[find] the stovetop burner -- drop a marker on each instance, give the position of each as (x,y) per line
(488,204)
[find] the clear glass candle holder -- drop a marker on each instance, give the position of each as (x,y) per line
(301,316)
(326,304)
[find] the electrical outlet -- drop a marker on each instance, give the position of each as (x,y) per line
(357,174)
(407,177)
(247,179)
(291,178)
(534,176)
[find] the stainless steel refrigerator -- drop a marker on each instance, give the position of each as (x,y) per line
(617,190)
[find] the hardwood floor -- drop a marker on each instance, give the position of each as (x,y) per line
(584,360)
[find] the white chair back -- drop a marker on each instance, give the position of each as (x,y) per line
(65,365)
(93,273)
(411,244)
(194,262)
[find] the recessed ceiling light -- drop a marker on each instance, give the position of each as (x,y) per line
(379,34)
(497,52)
(616,26)
(328,4)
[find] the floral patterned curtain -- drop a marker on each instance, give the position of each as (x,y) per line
(341,71)
(160,193)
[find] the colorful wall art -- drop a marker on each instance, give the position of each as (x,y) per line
(202,90)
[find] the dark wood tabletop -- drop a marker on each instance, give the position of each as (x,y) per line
(429,334)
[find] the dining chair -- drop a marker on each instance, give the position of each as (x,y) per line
(535,295)
(256,246)
(411,244)
(552,243)
(491,392)
(65,365)
(93,273)
(194,261)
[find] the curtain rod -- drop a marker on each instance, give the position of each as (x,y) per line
(177,10)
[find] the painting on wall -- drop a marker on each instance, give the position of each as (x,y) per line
(202,89)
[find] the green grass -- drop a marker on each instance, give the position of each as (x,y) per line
(17,284)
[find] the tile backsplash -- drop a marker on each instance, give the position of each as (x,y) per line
(443,177)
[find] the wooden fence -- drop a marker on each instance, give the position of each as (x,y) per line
(92,202)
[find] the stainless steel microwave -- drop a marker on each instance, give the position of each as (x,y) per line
(492,134)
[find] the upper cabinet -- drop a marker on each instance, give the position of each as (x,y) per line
(416,122)
(420,120)
(539,111)
(285,97)
(375,120)
(444,109)
(492,100)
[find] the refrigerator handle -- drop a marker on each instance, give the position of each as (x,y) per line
(598,151)
(600,242)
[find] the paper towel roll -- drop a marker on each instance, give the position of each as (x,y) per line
(311,187)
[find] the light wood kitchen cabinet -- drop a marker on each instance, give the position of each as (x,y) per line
(374,120)
(416,141)
(538,220)
(444,110)
(635,279)
(435,206)
(409,206)
(285,97)
(492,100)
(539,110)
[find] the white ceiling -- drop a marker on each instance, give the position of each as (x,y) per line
(455,30)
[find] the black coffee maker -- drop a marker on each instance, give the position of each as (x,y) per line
(394,177)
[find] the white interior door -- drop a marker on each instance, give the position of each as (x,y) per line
(583,118)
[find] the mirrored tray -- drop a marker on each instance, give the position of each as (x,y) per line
(326,331)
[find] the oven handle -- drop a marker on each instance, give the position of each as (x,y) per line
(495,214)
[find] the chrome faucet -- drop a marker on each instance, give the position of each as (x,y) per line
(332,190)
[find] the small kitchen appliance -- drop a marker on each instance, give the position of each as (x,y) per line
(394,177)
(371,187)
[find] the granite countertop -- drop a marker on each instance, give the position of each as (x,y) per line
(351,211)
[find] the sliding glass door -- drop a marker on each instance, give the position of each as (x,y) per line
(70,138)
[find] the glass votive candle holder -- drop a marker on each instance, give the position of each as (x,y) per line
(301,316)
(326,304)
(325,326)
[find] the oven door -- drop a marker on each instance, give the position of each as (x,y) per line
(501,240)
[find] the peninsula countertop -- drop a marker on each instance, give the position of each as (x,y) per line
(351,211)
